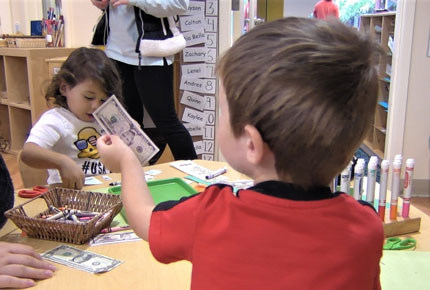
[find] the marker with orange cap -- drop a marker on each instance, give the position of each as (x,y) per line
(385,168)
(409,172)
(395,188)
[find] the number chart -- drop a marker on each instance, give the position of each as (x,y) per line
(198,83)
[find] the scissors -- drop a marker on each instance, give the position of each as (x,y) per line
(34,192)
(400,244)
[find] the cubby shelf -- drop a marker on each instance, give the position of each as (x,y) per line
(23,79)
(384,24)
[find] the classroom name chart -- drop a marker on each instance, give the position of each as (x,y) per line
(198,84)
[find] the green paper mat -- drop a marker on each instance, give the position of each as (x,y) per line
(161,190)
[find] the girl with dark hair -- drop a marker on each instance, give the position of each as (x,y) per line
(64,139)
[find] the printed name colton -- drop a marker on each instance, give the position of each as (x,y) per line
(191,22)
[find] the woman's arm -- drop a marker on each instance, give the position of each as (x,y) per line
(157,8)
(100,4)
(38,157)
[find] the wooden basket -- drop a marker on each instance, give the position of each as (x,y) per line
(32,42)
(107,205)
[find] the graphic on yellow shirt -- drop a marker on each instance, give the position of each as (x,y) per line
(87,143)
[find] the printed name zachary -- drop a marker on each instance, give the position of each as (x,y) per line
(194,53)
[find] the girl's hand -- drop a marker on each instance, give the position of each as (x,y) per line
(20,264)
(100,4)
(71,174)
(114,152)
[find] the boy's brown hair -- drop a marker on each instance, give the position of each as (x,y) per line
(82,64)
(310,88)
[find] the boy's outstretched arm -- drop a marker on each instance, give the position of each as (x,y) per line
(136,198)
(42,158)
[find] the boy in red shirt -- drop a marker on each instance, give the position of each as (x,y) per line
(326,8)
(296,99)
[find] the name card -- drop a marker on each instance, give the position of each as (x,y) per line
(193,100)
(207,157)
(210,117)
(204,86)
(193,116)
(194,70)
(195,7)
(211,7)
(210,71)
(195,37)
(194,129)
(193,22)
(210,103)
(211,39)
(198,146)
(211,55)
(209,132)
(211,24)
(195,54)
(208,146)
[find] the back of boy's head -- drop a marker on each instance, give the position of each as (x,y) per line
(82,64)
(309,87)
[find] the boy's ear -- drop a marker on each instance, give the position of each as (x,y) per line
(63,88)
(254,145)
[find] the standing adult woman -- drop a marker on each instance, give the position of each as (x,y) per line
(147,80)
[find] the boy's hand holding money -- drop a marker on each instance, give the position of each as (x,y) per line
(19,264)
(114,153)
(137,200)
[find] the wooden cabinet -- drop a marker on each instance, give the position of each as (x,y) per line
(381,28)
(23,81)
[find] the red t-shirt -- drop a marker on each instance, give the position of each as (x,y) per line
(326,8)
(262,238)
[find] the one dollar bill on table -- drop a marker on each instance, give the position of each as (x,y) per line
(115,120)
(81,260)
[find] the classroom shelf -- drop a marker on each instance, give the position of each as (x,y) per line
(23,80)
(381,27)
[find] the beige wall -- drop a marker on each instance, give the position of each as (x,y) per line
(22,11)
(416,142)
(302,8)
(80,17)
(5,15)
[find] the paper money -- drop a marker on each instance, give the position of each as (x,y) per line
(81,260)
(115,120)
(114,238)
